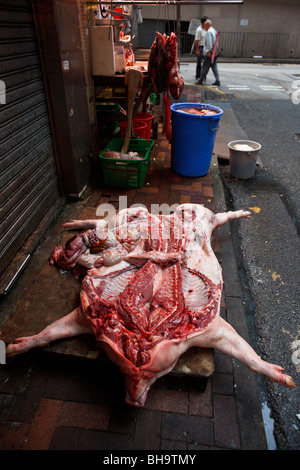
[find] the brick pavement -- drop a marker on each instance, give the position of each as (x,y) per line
(50,401)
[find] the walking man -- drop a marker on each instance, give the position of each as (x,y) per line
(210,39)
(199,45)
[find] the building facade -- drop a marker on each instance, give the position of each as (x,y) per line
(259,28)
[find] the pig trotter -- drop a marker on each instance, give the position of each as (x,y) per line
(70,325)
(228,341)
(275,374)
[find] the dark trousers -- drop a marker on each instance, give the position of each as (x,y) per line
(206,66)
(199,62)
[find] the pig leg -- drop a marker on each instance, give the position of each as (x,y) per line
(227,340)
(223,217)
(73,324)
(85,224)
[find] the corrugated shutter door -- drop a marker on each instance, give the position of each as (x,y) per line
(28,173)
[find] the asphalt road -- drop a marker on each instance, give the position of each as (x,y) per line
(266,103)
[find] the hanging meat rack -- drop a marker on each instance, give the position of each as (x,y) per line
(168,2)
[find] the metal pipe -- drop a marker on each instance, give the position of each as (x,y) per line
(168,2)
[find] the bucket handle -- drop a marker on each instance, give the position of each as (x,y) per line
(250,155)
(216,129)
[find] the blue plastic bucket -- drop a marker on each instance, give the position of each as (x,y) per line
(193,138)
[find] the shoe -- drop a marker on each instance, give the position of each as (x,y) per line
(198,82)
(216,83)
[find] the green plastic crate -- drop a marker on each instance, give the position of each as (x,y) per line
(126,173)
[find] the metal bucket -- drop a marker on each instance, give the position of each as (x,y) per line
(243,162)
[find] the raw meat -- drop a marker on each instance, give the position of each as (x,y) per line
(201,112)
(164,73)
(160,295)
(163,65)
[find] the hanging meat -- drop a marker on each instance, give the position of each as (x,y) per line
(155,293)
(164,73)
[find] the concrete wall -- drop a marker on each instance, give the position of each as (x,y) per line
(253,16)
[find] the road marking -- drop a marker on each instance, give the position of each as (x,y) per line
(238,87)
(262,87)
(270,87)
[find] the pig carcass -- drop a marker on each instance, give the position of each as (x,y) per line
(152,290)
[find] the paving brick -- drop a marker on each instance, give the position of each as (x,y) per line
(172,382)
(12,435)
(143,198)
(223,384)
(175,179)
(167,400)
(172,445)
(192,429)
(85,415)
(226,422)
(200,400)
(27,401)
(185,199)
(160,155)
(206,179)
(43,425)
(199,199)
(223,313)
(189,191)
(197,186)
(65,438)
(148,430)
(78,380)
(67,388)
(223,363)
(123,419)
(207,191)
(6,403)
(165,184)
(149,189)
(215,243)
(13,376)
(97,440)
(96,198)
(181,187)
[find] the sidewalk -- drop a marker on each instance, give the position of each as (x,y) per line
(54,399)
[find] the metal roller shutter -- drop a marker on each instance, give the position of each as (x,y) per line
(29,183)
